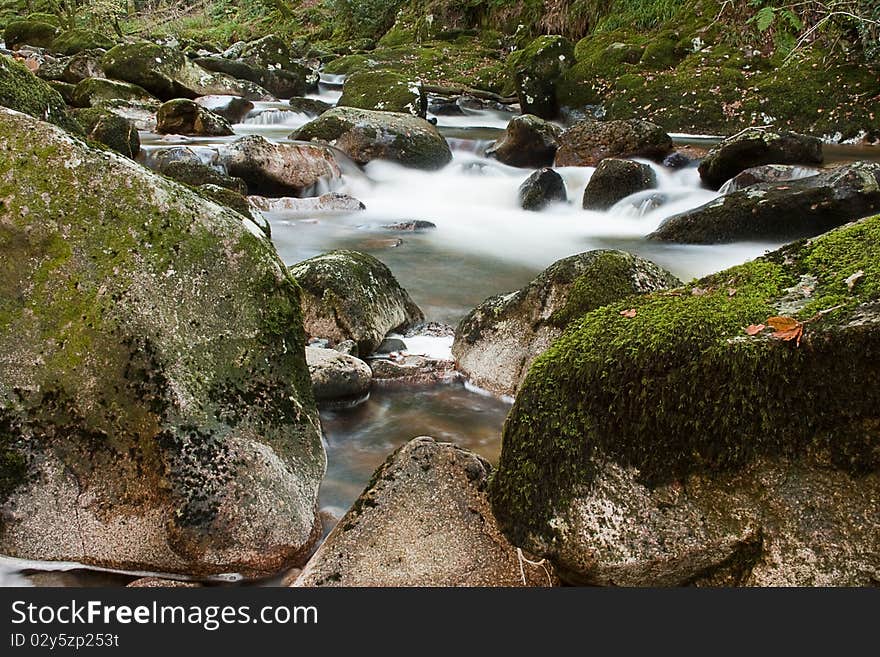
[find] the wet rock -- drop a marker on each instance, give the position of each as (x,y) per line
(159,583)
(660,447)
(196,173)
(23,91)
(768,173)
(231,108)
(229,198)
(497,342)
(336,375)
(412,370)
(349,295)
(71,42)
(82,66)
(278,169)
(780,211)
(94,91)
(588,142)
(414,226)
(156,395)
(529,142)
(310,106)
(385,91)
(390,345)
(444,107)
(614,180)
(677,160)
(423,520)
(366,135)
(186,117)
(754,147)
(349,347)
(39,34)
(326,203)
(536,70)
(543,187)
(111,130)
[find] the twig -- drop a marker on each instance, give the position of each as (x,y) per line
(522,558)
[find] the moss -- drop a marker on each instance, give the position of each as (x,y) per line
(680,388)
(384,90)
(109,129)
(30,33)
(92,91)
(75,41)
(24,92)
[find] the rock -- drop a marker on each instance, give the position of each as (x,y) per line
(111,130)
(65,90)
(82,66)
(349,295)
(71,42)
(155,393)
(38,34)
(412,370)
(233,200)
(768,173)
(93,91)
(444,107)
(349,347)
(310,106)
(588,142)
(780,211)
(159,583)
(268,52)
(366,135)
(528,142)
(385,91)
(196,173)
(536,70)
(614,180)
(423,520)
(325,204)
(414,226)
(186,117)
(336,375)
(543,187)
(497,342)
(677,160)
(754,147)
(159,158)
(278,169)
(50,69)
(167,74)
(390,345)
(141,113)
(280,83)
(668,446)
(231,108)
(23,91)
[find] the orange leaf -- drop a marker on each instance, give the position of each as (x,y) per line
(783,323)
(753,329)
(788,335)
(629,314)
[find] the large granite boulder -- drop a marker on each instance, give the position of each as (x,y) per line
(588,142)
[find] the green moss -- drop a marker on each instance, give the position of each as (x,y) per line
(385,91)
(92,91)
(109,129)
(24,92)
(74,41)
(30,33)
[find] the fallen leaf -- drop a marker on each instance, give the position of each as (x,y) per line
(787,335)
(852,280)
(754,329)
(782,323)
(629,314)
(731,292)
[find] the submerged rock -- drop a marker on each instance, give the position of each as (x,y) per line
(423,520)
(498,340)
(155,396)
(336,375)
(385,91)
(780,211)
(23,91)
(754,147)
(186,117)
(543,187)
(616,179)
(352,295)
(366,135)
(588,142)
(529,142)
(660,442)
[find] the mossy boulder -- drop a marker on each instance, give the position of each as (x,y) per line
(536,69)
(497,342)
(83,65)
(780,211)
(310,106)
(540,189)
(366,135)
(182,116)
(268,52)
(348,295)
(167,73)
(529,141)
(195,173)
(66,91)
(423,520)
(71,42)
(588,142)
(659,442)
(154,381)
(282,83)
(234,200)
(94,91)
(754,147)
(231,108)
(141,113)
(385,91)
(109,129)
(337,376)
(36,33)
(614,180)
(23,91)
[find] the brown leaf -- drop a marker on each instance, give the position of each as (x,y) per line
(782,323)
(787,335)
(699,291)
(731,292)
(754,329)
(629,314)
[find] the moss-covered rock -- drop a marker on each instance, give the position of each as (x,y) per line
(65,90)
(658,442)
(24,92)
(93,91)
(83,65)
(348,295)
(614,180)
(366,135)
(195,174)
(29,33)
(529,141)
(282,83)
(182,116)
(71,42)
(153,371)
(543,187)
(384,91)
(536,70)
(310,106)
(588,142)
(780,211)
(234,200)
(109,129)
(497,342)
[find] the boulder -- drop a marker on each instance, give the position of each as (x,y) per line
(50,68)
(268,52)
(155,394)
(536,70)
(282,83)
(71,42)
(386,91)
(336,375)
(349,295)
(616,179)
(279,169)
(754,147)
(142,113)
(780,211)
(66,91)
(113,131)
(408,370)
(529,142)
(23,91)
(167,74)
(229,198)
(767,173)
(36,33)
(366,135)
(93,91)
(196,173)
(496,343)
(186,117)
(231,108)
(310,106)
(543,187)
(668,439)
(326,203)
(423,520)
(83,65)
(588,142)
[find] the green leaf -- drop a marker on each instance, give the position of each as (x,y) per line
(793,20)
(765,17)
